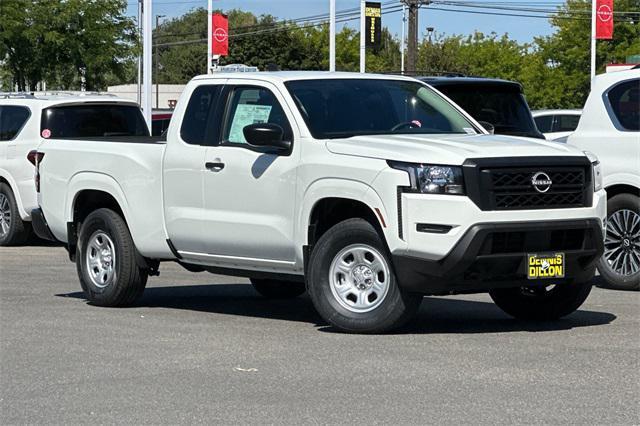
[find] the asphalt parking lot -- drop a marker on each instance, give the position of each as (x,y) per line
(206,348)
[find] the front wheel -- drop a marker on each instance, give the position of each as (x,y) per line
(106,261)
(352,284)
(274,289)
(620,263)
(543,303)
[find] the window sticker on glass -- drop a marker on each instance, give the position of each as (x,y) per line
(470,131)
(244,116)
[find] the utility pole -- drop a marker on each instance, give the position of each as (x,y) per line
(158,63)
(412,45)
(403,39)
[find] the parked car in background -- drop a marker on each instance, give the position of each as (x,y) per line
(160,119)
(610,128)
(501,103)
(367,191)
(27,118)
(557,124)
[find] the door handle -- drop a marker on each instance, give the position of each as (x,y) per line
(215,166)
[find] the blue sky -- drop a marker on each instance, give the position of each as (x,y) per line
(522,29)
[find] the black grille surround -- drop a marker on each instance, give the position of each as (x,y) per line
(506,183)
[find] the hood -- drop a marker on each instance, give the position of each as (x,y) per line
(446,149)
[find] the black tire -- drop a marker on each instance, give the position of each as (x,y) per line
(394,309)
(539,302)
(129,279)
(274,289)
(18,231)
(630,281)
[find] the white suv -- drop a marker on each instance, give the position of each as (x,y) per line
(22,123)
(610,128)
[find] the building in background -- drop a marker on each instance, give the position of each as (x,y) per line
(168,94)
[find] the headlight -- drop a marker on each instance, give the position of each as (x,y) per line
(596,169)
(433,179)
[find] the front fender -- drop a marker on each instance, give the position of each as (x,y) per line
(622,179)
(336,188)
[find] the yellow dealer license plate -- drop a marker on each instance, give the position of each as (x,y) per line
(545,265)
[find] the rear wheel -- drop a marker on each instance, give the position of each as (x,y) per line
(106,261)
(13,230)
(620,263)
(274,289)
(352,283)
(541,302)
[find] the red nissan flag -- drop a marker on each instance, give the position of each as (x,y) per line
(604,19)
(220,34)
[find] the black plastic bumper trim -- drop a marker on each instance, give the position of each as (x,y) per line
(456,272)
(40,226)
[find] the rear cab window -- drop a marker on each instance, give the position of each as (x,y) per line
(92,120)
(198,126)
(12,120)
(624,100)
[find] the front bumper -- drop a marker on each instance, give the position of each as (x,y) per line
(493,255)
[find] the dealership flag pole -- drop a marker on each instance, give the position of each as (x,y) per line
(593,39)
(209,37)
(147,96)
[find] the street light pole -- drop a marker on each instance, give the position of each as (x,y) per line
(332,35)
(158,64)
(363,47)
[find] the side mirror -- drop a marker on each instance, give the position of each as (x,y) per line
(266,135)
(488,126)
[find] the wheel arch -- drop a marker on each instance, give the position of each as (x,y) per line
(323,197)
(6,178)
(622,188)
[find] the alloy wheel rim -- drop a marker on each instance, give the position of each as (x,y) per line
(359,278)
(5,215)
(622,242)
(101,259)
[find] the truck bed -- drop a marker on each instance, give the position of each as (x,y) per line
(128,168)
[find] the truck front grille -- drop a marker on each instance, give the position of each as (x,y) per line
(513,189)
(500,186)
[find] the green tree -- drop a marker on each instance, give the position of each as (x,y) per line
(568,49)
(64,42)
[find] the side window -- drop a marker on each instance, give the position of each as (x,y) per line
(197,124)
(543,123)
(251,105)
(625,103)
(12,119)
(566,123)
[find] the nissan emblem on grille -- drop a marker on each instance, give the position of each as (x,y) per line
(541,182)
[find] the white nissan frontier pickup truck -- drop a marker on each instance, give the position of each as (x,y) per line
(366,191)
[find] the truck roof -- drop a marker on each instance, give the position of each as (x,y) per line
(47,99)
(283,76)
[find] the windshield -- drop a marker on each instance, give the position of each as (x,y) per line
(93,120)
(338,108)
(503,107)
